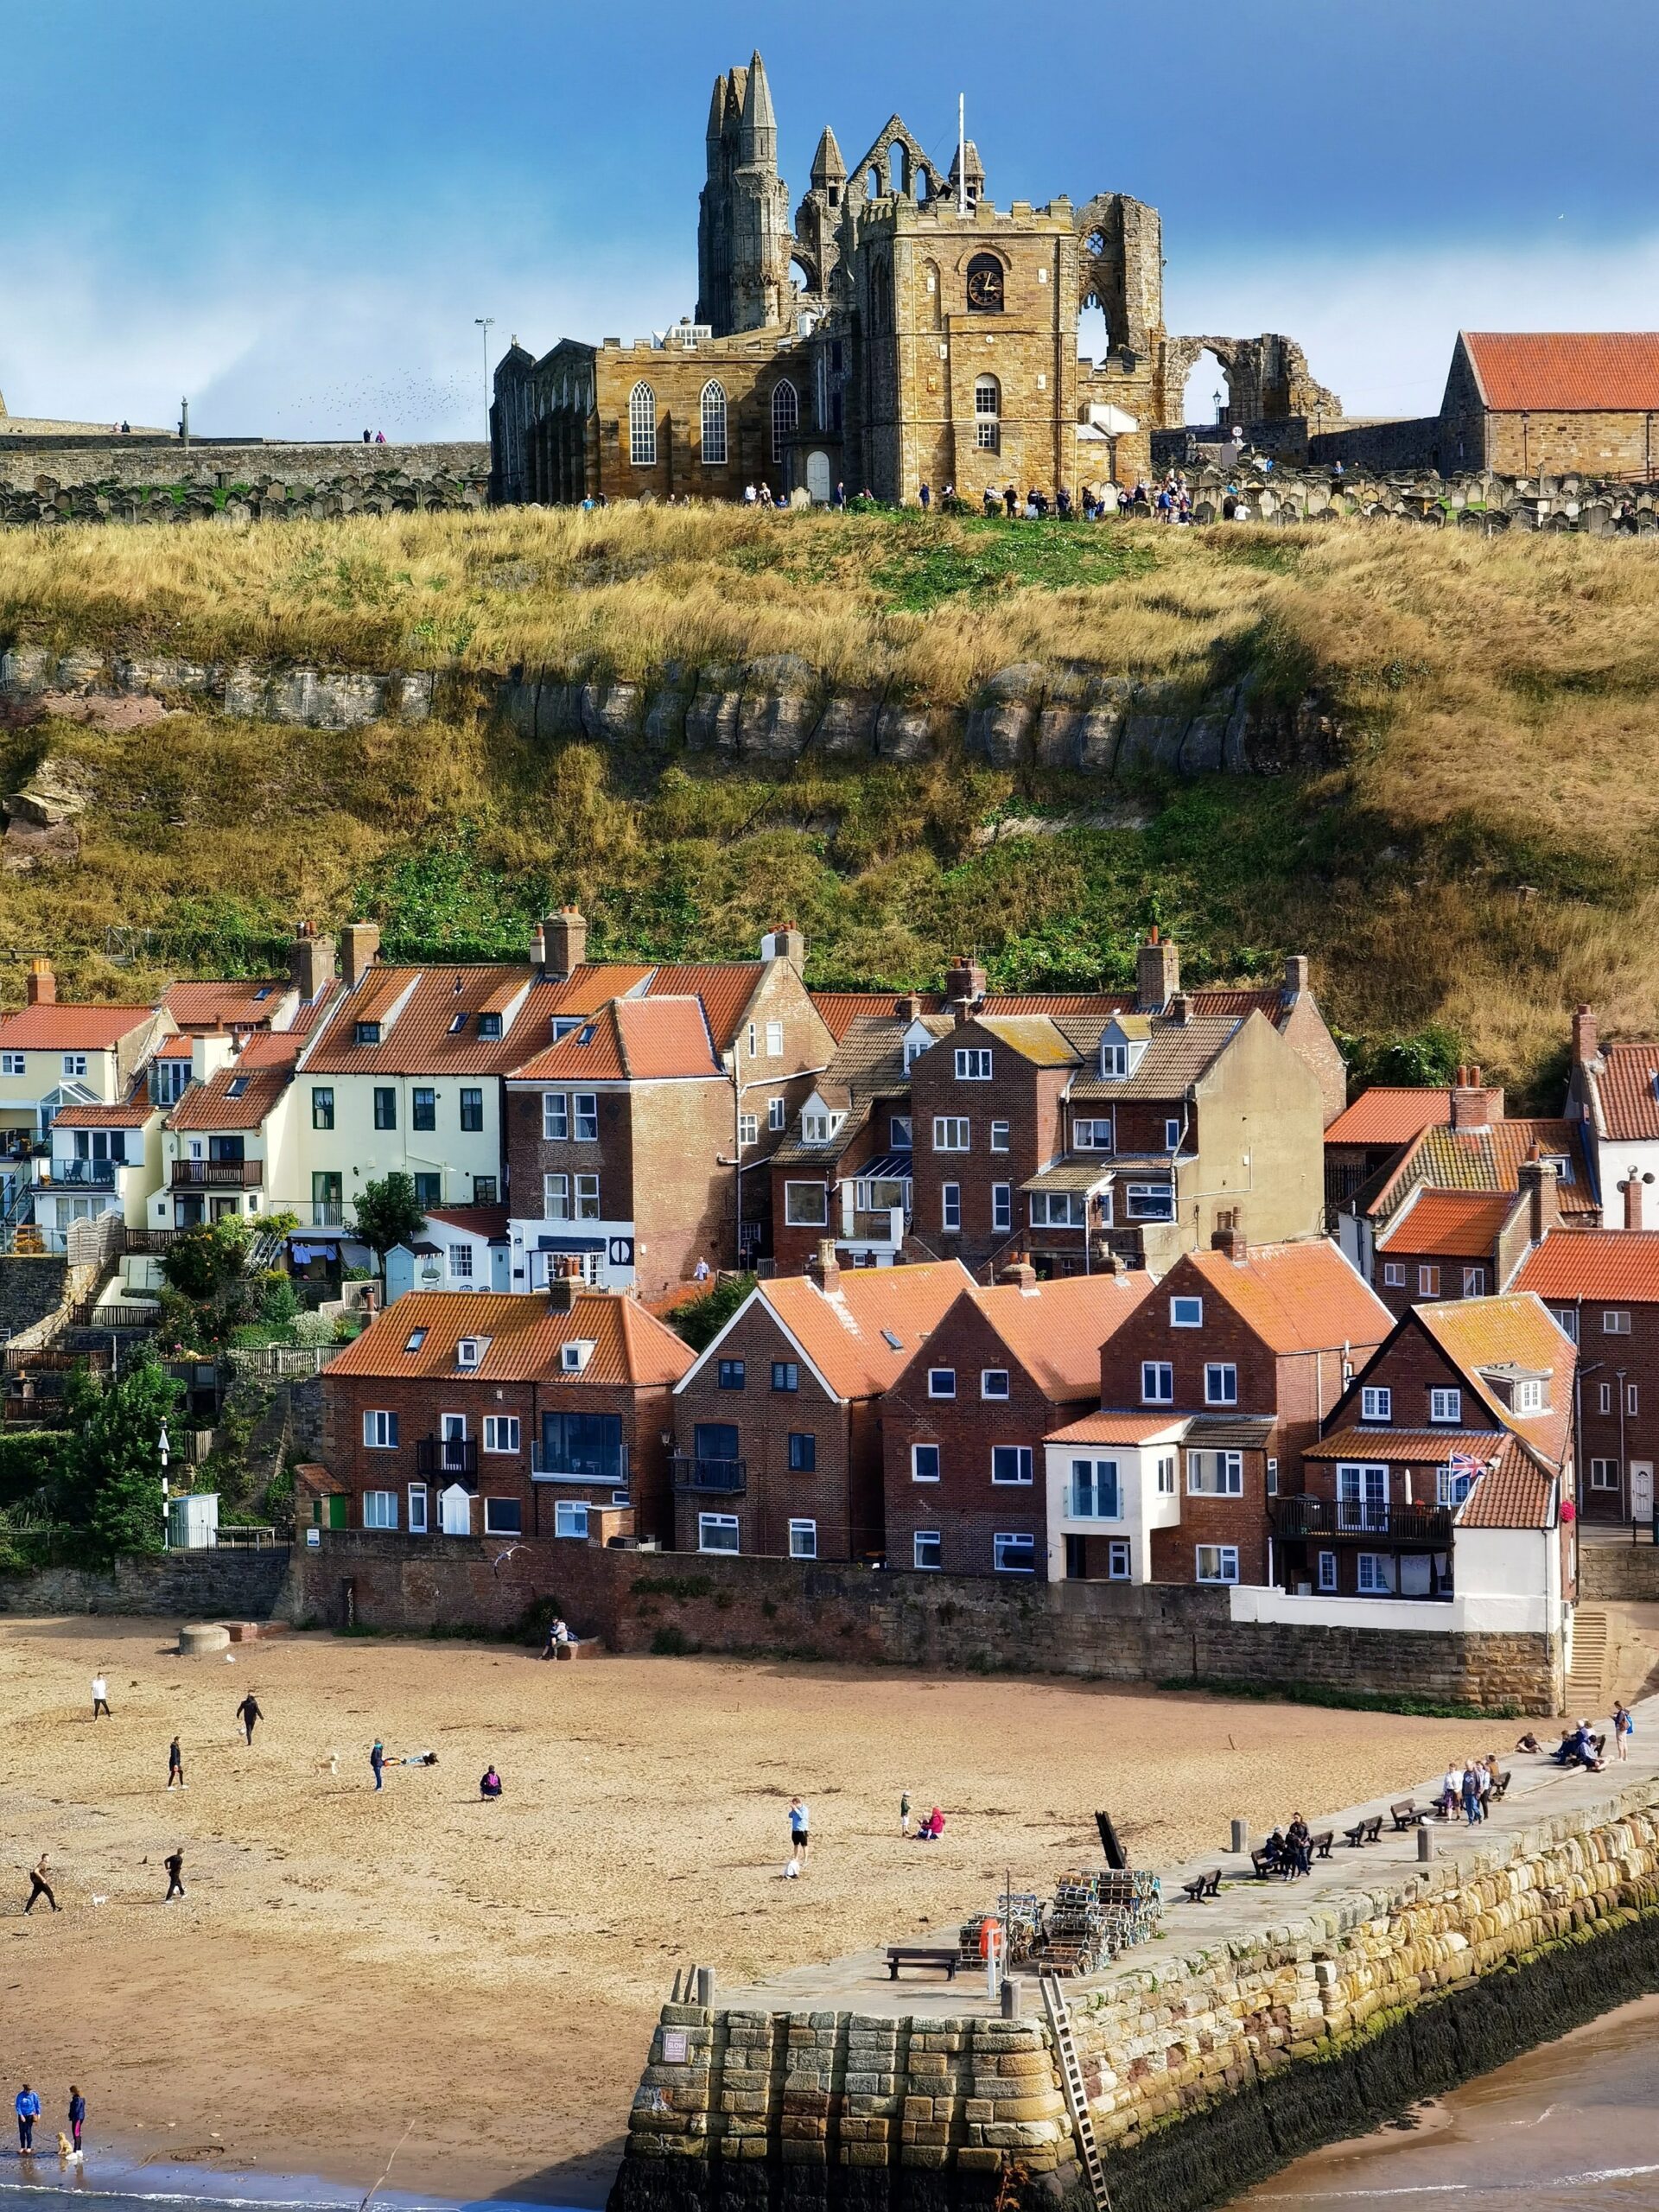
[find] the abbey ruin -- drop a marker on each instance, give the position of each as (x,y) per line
(902,330)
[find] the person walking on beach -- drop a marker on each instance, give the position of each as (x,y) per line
(175,1864)
(175,1766)
(800,1840)
(1624,1729)
(904,1814)
(77,2117)
(39,1886)
(378,1761)
(248,1711)
(1470,1795)
(28,2111)
(101,1698)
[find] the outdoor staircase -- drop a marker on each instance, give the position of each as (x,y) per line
(1077,2099)
(1584,1684)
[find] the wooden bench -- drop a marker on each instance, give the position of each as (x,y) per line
(1364,1831)
(1405,1816)
(920,1954)
(1320,1845)
(1266,1865)
(1207,1885)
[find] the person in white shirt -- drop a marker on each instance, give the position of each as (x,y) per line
(101,1698)
(1451,1790)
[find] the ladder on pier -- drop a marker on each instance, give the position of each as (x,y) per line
(1076,2099)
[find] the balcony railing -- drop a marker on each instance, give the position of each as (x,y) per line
(1360,1518)
(448,1455)
(725,1478)
(79,1174)
(548,1467)
(1083,1502)
(327,1213)
(238,1174)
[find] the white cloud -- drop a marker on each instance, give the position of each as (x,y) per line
(1378,327)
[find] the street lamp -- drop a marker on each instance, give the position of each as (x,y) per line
(484,323)
(1215,398)
(164,1451)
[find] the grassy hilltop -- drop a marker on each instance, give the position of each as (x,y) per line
(1483,855)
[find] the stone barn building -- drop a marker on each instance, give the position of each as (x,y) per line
(904,330)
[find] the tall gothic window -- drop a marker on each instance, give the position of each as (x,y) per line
(642,426)
(987,412)
(785,415)
(713,426)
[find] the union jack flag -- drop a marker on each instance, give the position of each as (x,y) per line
(1464,1463)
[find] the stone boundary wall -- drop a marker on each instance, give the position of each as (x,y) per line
(1104,1632)
(1202,2073)
(1622,1574)
(246,1585)
(142,482)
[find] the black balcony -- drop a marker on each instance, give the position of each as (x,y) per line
(1360,1520)
(453,1458)
(80,1174)
(712,1477)
(238,1174)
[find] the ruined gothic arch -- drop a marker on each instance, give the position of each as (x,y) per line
(918,177)
(1120,264)
(1268,379)
(803,263)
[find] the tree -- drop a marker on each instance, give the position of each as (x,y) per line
(113,1462)
(389,1213)
(203,1264)
(701,1320)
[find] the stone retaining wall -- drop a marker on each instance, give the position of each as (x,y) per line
(246,1585)
(1202,2072)
(1619,1573)
(1104,1631)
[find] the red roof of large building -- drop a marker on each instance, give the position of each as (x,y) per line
(1446,1224)
(225,1005)
(1600,1263)
(523,1335)
(649,1039)
(1566,372)
(1298,1297)
(1390,1115)
(62,1028)
(725,987)
(1055,1330)
(861,1333)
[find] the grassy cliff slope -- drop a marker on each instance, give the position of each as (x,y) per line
(1483,855)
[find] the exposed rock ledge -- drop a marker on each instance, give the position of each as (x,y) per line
(771,710)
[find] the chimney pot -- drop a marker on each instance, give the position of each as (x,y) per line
(42,984)
(1228,1236)
(360,945)
(311,963)
(1585,1037)
(562,1291)
(1635,1201)
(1475,1105)
(1157,974)
(965,987)
(824,1267)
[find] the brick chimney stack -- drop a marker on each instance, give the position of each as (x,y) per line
(564,938)
(1635,1198)
(910,1006)
(562,1291)
(359,947)
(311,963)
(1539,1184)
(824,1267)
(42,984)
(1295,975)
(1587,1038)
(1228,1236)
(1180,1008)
(1157,973)
(1475,1105)
(1021,1273)
(965,987)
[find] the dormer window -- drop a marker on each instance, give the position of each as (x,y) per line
(1529,1396)
(1120,1052)
(366,1032)
(1561,1164)
(562,1023)
(489,1024)
(574,1357)
(470,1351)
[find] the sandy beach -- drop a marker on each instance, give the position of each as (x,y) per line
(347,1971)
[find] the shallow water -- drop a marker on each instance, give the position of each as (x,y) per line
(110,2182)
(1574,2126)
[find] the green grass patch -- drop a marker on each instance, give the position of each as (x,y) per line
(1416,1709)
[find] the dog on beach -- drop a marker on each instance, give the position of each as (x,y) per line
(330,1765)
(66,2148)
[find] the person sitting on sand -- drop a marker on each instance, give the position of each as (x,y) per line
(932,1827)
(491,1785)
(1529,1742)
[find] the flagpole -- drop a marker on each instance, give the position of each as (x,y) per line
(962,153)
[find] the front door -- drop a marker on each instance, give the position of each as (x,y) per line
(417,1509)
(339,1506)
(1641,1490)
(452,1430)
(456,1511)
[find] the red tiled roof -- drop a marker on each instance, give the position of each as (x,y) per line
(489,1222)
(1625,1085)
(840,1009)
(131,1114)
(841,1332)
(1388,1115)
(630,1347)
(1516,1329)
(1298,1297)
(1604,1263)
(65,1028)
(592,983)
(1116,1428)
(1566,370)
(1450,1225)
(1055,1330)
(1517,1493)
(211,1105)
(1415,1447)
(174,1047)
(1490,1160)
(631,1040)
(225,1005)
(421,1041)
(725,987)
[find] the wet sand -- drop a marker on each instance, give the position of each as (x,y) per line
(479,1981)
(1574,2126)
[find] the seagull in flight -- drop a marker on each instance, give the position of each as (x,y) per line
(501,1558)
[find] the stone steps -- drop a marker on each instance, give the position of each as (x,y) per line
(1584,1683)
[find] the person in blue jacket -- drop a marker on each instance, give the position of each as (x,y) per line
(77,2116)
(28,2111)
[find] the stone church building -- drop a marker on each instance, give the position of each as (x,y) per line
(902,330)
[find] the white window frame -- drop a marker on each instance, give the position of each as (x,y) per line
(951,1206)
(1604,1398)
(518,1505)
(381,1508)
(1024,1465)
(555,1197)
(1118,1558)
(931,1540)
(1220,1382)
(785,415)
(1001,1205)
(803,1540)
(1172,1135)
(74,1063)
(973,1064)
(777,1113)
(936,1377)
(1157,1372)
(501,1433)
(916,1472)
(419,1524)
(380,1430)
(642,426)
(588,1207)
(461,1263)
(748,1129)
(718,1525)
(1474,1282)
(1222,1563)
(1059,1209)
(1165,1474)
(988,415)
(1444,1408)
(1631,1400)
(1451,1486)
(1393,1275)
(774,1041)
(1529,1396)
(993,1382)
(1373,1575)
(1087,1134)
(1187,1313)
(1429,1281)
(951,1131)
(793,1218)
(1215,1474)
(1375,1402)
(1565,1318)
(584,1116)
(556,1116)
(1004,1542)
(1615,1321)
(1326,1572)
(13,1064)
(570,1519)
(1604,1474)
(998,1136)
(1149,1202)
(712,445)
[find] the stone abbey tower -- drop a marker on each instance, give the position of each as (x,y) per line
(902,329)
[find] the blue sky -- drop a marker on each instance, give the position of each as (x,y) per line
(294,212)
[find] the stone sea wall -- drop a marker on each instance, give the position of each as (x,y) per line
(135,481)
(247,1586)
(1203,2072)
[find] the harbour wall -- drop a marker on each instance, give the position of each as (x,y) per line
(1202,2071)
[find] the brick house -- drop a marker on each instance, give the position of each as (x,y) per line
(1529,402)
(1370,1136)
(1477,1149)
(1602,1288)
(1613,1098)
(504,1415)
(1209,1395)
(1464,1243)
(963,1425)
(778,1427)
(1446,1469)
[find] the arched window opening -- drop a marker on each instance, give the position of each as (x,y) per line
(874,182)
(642,426)
(924,186)
(898,164)
(713,426)
(988,414)
(785,415)
(1094,338)
(932,295)
(1206,398)
(985,284)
